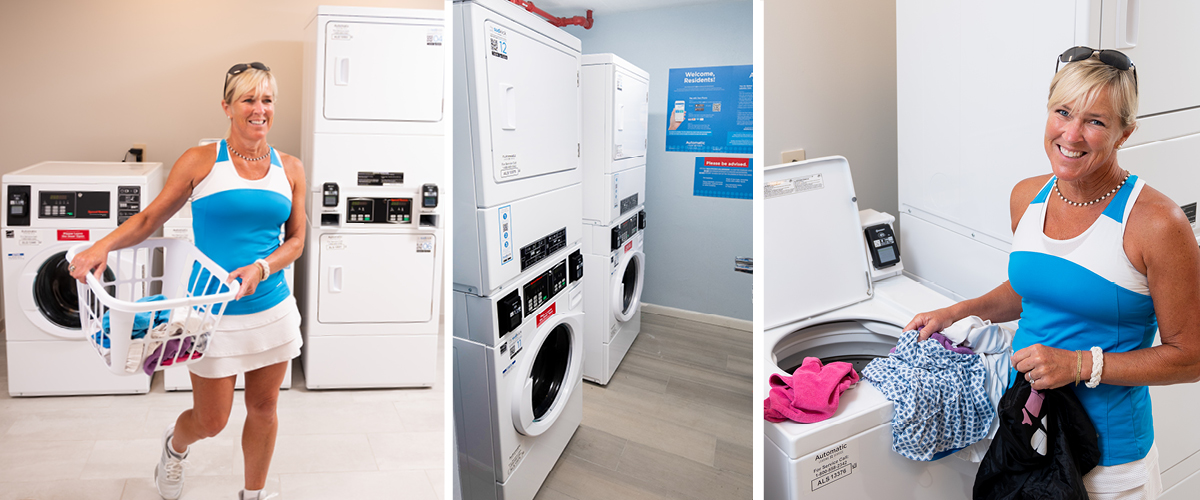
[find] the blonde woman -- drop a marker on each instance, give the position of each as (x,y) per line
(242,191)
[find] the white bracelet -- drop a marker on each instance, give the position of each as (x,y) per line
(1097,367)
(266,268)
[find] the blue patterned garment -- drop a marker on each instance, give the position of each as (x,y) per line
(940,397)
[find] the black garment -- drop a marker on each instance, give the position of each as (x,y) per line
(1013,469)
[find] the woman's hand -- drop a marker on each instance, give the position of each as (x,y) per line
(931,322)
(94,258)
(250,275)
(1050,368)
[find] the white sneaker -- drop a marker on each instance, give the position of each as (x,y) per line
(242,496)
(168,476)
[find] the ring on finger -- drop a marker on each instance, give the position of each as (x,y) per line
(71,268)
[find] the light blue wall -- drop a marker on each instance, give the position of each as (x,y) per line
(690,241)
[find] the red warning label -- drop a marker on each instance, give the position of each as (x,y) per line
(545,315)
(73,235)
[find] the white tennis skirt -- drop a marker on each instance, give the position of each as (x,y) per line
(286,327)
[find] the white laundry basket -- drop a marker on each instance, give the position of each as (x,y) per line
(179,327)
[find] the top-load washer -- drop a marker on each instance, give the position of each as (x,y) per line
(517,143)
(616,97)
(50,207)
(822,300)
(373,135)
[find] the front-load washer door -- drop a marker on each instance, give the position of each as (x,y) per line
(627,285)
(383,71)
(547,374)
(376,278)
(49,297)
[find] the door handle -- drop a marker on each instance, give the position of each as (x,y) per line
(510,106)
(341,71)
(335,279)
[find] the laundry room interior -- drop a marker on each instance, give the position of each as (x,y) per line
(666,377)
(111,95)
(914,121)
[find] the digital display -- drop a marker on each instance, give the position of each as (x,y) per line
(57,197)
(887,254)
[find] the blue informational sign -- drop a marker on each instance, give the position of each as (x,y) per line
(711,110)
(723,178)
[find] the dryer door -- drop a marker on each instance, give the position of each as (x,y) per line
(548,374)
(631,101)
(383,71)
(376,278)
(627,285)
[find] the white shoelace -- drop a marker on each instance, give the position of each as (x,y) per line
(174,468)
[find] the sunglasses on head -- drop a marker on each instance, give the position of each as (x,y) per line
(1110,57)
(237,69)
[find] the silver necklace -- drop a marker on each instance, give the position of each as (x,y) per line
(1097,200)
(239,155)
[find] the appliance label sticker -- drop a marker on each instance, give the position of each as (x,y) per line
(497,42)
(545,315)
(425,244)
(515,458)
(795,185)
(829,465)
(16,256)
(628,246)
(179,233)
(29,237)
(339,31)
(506,244)
(434,37)
(613,260)
(508,166)
(334,242)
(73,235)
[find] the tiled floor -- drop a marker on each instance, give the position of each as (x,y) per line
(361,444)
(674,422)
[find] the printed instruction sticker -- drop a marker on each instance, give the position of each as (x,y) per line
(794,185)
(340,31)
(433,37)
(506,243)
(29,237)
(829,466)
(498,42)
(508,166)
(514,459)
(425,244)
(334,242)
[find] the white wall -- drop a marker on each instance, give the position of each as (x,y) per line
(831,88)
(690,241)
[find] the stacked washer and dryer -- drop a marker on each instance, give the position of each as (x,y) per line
(616,96)
(518,259)
(841,300)
(373,131)
(50,207)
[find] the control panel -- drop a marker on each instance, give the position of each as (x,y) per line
(18,205)
(129,202)
(429,196)
(74,204)
(625,230)
(379,210)
(329,194)
(537,292)
(537,251)
(881,241)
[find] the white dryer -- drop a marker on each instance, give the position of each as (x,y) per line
(373,134)
(613,305)
(616,96)
(821,301)
(518,385)
(50,207)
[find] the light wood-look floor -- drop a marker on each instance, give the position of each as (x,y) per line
(674,422)
(361,444)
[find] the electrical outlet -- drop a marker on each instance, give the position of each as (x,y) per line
(793,156)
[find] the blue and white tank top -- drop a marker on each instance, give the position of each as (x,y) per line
(237,221)
(1084,292)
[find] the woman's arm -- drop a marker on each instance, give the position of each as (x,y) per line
(194,164)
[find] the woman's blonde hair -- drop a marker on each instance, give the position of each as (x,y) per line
(1079,83)
(250,80)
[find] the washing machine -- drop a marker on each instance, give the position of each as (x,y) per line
(613,305)
(616,97)
(518,385)
(833,291)
(50,207)
(177,378)
(372,142)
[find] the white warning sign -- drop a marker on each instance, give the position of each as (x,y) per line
(830,465)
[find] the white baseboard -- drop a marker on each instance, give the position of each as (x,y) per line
(712,319)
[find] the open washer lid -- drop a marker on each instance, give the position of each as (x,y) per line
(814,259)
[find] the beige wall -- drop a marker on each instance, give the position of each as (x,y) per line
(85,79)
(830,88)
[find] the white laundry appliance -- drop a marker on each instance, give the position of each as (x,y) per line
(613,305)
(616,96)
(50,207)
(954,198)
(373,130)
(833,290)
(177,378)
(518,385)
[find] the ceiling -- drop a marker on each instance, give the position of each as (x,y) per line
(569,8)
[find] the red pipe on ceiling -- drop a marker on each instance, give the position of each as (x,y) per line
(586,22)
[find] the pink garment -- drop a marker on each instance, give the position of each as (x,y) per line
(811,394)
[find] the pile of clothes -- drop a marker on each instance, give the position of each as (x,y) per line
(162,338)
